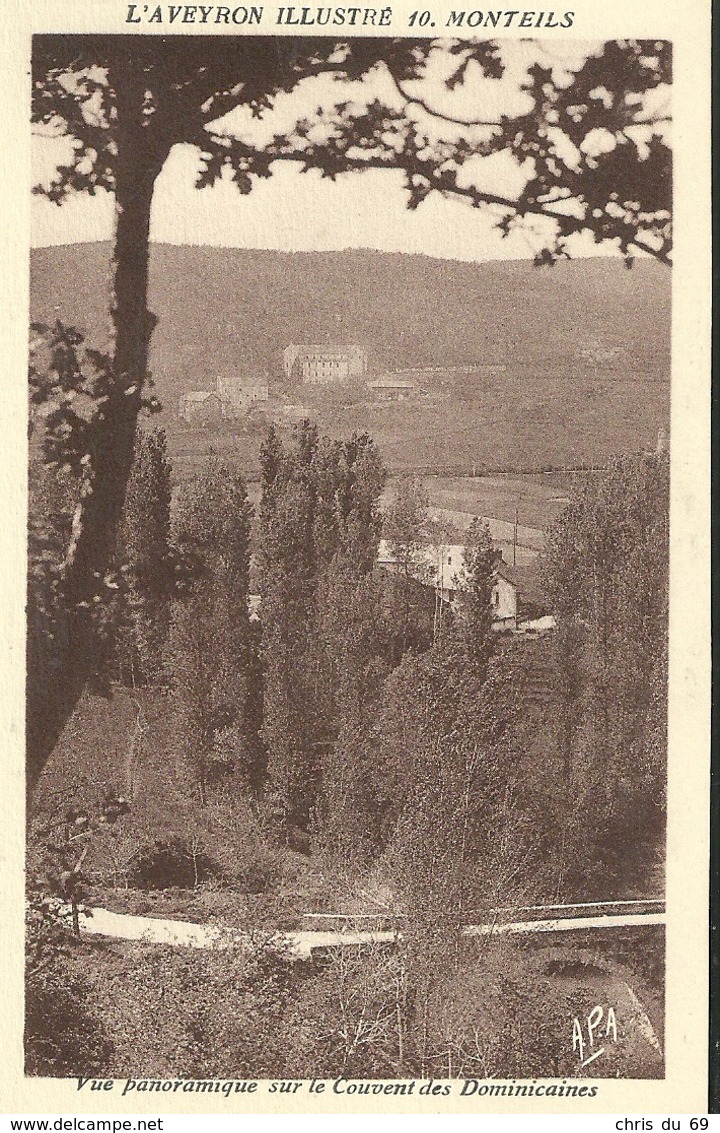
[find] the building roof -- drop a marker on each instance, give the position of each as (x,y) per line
(198,395)
(445,562)
(391,383)
(323,348)
(504,570)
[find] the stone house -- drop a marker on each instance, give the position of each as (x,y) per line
(239,394)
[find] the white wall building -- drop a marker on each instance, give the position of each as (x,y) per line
(324,365)
(442,566)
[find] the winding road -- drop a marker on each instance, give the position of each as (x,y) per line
(302,943)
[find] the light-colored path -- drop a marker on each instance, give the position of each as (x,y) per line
(155,930)
(569,924)
(301,944)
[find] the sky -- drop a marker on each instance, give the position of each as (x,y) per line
(294,211)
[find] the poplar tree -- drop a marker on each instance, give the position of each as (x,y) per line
(144,557)
(404,525)
(354,658)
(318,515)
(211,652)
(607,571)
(475,617)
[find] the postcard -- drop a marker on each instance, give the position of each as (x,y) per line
(356,636)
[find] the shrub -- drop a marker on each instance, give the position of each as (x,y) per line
(172,863)
(64,1037)
(65,1034)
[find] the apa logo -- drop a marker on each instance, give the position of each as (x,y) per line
(584,1043)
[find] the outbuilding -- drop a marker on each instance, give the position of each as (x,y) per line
(200,407)
(391,389)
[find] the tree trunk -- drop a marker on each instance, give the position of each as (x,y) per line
(56,683)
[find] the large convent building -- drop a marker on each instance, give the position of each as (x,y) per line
(324,365)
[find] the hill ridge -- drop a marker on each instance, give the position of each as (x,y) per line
(407,309)
(568,364)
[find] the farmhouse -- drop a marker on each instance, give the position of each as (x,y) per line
(324,365)
(200,406)
(238,395)
(442,566)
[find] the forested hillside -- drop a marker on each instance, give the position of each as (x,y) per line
(227,307)
(580,351)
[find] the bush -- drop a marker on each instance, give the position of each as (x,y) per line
(172,863)
(65,1033)
(196,1013)
(64,1038)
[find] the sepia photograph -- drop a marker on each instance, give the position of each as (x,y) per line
(348,547)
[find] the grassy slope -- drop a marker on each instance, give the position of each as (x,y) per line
(125,744)
(226,310)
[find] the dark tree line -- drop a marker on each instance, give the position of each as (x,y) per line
(607,568)
(324,636)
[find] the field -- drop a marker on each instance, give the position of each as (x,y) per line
(503,498)
(522,420)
